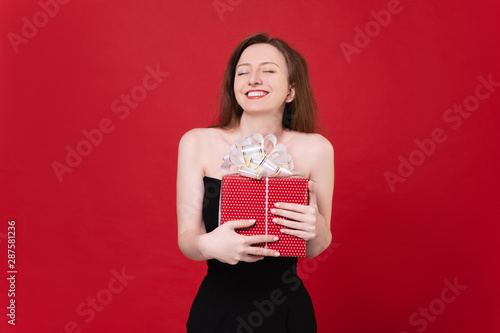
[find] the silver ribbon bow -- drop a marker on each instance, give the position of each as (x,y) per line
(248,158)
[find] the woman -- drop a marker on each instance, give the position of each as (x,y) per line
(252,289)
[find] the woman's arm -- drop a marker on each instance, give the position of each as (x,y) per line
(323,176)
(190,194)
(195,243)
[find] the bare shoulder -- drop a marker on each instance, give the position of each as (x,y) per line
(196,134)
(202,149)
(320,141)
(313,143)
(198,137)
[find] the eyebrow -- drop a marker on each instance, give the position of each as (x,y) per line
(262,63)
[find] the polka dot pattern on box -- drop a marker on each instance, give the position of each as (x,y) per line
(245,198)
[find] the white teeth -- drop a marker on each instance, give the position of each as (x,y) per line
(256,93)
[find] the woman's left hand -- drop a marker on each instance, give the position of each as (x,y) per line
(303,220)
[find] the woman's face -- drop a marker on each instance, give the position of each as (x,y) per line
(261,80)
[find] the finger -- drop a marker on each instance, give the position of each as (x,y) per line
(298,233)
(290,206)
(238,224)
(293,224)
(262,252)
(258,239)
(288,214)
(312,193)
(251,258)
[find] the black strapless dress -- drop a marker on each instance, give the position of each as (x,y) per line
(262,297)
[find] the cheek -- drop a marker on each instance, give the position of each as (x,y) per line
(280,83)
(283,87)
(237,93)
(238,86)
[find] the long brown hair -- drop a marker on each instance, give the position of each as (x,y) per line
(299,115)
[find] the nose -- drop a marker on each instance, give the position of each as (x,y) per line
(254,79)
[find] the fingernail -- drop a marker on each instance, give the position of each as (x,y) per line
(275,220)
(276,238)
(276,204)
(273,210)
(276,254)
(252,221)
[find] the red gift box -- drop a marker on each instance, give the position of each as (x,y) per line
(244,198)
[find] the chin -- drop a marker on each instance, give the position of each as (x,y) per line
(259,108)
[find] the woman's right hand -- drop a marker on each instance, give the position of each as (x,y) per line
(226,245)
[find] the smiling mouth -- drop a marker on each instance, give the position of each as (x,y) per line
(254,94)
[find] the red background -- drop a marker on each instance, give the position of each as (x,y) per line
(116,209)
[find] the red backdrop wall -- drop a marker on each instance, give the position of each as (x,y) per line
(95,96)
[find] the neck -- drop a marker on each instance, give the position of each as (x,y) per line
(269,123)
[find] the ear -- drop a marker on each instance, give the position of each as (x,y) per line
(291,94)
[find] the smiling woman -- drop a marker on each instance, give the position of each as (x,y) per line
(302,107)
(248,288)
(261,85)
